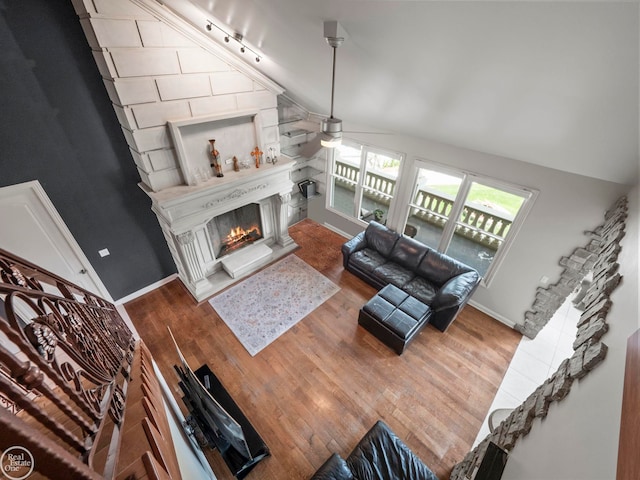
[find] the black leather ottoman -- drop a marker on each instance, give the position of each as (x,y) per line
(394,317)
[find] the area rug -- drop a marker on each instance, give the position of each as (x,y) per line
(264,306)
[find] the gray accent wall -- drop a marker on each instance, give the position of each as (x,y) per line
(57,126)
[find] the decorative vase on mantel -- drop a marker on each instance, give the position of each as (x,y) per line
(215,159)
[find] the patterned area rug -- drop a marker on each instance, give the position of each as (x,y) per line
(264,306)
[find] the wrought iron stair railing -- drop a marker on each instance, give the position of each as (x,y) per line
(65,361)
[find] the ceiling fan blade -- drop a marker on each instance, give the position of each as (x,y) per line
(369,133)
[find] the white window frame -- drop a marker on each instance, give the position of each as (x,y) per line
(359,185)
(468,178)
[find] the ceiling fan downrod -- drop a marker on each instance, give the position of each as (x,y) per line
(334,42)
(331,127)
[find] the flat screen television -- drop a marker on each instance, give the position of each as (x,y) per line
(206,409)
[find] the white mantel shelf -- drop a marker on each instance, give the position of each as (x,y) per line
(230,180)
(188,204)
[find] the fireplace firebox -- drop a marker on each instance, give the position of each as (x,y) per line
(235,229)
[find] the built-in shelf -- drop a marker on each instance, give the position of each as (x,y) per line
(292,152)
(289,121)
(295,133)
(299,132)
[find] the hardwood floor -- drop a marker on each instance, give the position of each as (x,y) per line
(319,387)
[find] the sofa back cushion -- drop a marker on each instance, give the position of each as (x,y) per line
(380,238)
(439,268)
(408,253)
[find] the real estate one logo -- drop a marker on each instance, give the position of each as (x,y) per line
(17,463)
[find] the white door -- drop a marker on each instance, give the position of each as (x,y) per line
(31,228)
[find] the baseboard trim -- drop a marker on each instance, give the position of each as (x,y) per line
(491,313)
(147,289)
(336,230)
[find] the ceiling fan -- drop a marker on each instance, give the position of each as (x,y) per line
(330,131)
(330,134)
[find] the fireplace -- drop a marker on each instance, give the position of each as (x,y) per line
(198,220)
(233,230)
(220,229)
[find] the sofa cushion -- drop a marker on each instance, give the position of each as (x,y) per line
(380,238)
(401,324)
(335,468)
(438,268)
(382,455)
(422,289)
(414,308)
(393,273)
(393,294)
(378,307)
(367,260)
(408,252)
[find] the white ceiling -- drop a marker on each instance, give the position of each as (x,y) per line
(551,83)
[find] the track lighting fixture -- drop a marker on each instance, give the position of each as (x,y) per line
(237,36)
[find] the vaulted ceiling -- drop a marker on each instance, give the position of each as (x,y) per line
(550,83)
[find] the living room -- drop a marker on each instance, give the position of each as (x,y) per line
(85,165)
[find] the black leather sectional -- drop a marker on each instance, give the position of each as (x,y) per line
(381,256)
(379,455)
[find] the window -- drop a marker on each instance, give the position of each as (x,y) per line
(363,181)
(468,217)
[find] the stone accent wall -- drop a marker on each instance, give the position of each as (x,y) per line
(599,257)
(549,299)
(156,67)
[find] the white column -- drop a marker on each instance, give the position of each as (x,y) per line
(282,215)
(189,254)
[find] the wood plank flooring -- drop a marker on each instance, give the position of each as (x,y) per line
(319,387)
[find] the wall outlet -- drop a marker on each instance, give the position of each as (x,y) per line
(104,252)
(228,161)
(544,281)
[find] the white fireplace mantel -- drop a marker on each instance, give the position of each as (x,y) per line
(184,212)
(183,206)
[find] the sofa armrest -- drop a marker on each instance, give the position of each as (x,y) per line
(456,291)
(451,298)
(335,468)
(351,246)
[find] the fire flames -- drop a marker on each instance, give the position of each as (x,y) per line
(239,237)
(239,233)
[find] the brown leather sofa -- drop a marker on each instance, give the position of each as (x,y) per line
(380,455)
(381,256)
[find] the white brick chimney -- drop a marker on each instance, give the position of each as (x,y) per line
(157,68)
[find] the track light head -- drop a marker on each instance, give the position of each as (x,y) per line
(226,38)
(257,59)
(242,49)
(209,26)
